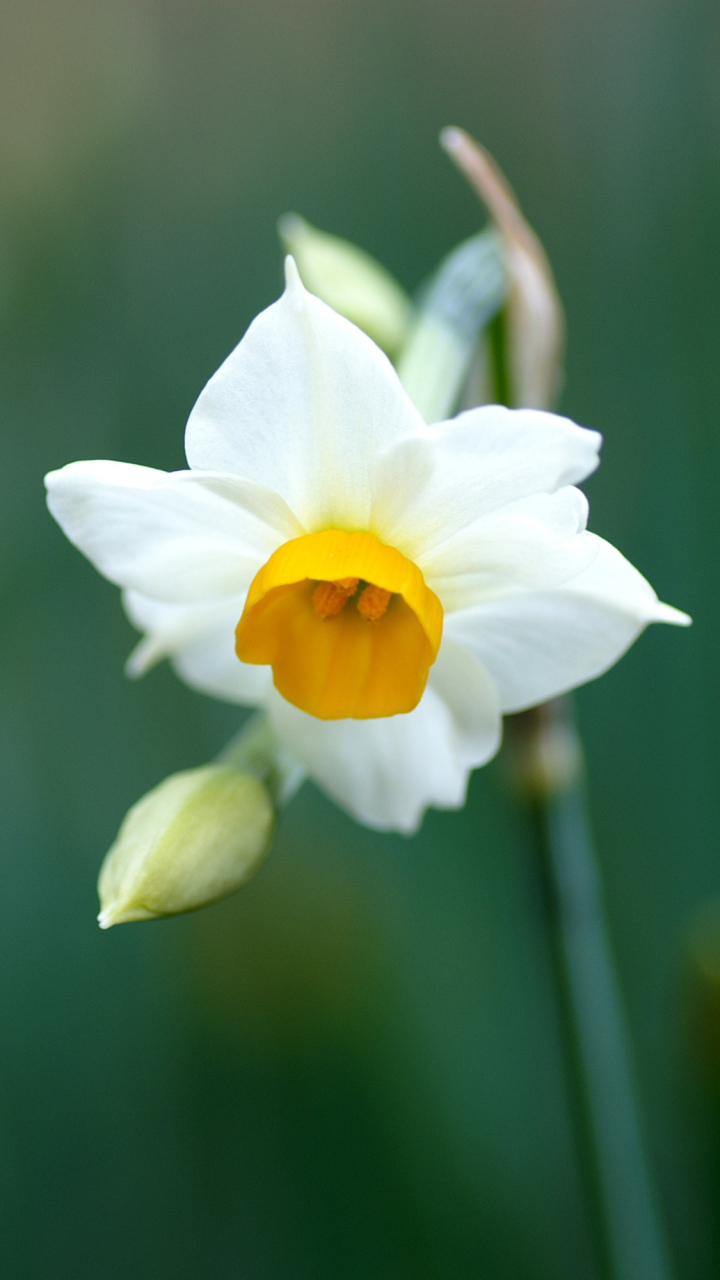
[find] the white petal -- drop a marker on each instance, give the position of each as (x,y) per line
(303,405)
(200,641)
(212,666)
(437,481)
(176,536)
(534,543)
(350,281)
(386,772)
(469,692)
(537,645)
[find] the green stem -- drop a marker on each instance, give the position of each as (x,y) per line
(497,347)
(624,1210)
(257,749)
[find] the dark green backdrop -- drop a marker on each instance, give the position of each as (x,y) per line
(352,1069)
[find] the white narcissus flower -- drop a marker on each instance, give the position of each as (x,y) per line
(386,589)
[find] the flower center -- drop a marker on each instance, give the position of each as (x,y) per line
(347,624)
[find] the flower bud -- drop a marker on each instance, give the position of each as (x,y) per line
(350,281)
(193,839)
(534,314)
(467,290)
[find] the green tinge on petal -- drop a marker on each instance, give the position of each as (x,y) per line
(350,281)
(193,839)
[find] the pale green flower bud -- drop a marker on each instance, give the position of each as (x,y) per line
(193,839)
(350,281)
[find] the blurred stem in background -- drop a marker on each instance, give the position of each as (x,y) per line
(523,369)
(546,761)
(488,327)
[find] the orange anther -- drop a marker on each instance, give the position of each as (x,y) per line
(373,602)
(330,598)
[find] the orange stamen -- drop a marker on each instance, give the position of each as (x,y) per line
(329,598)
(373,602)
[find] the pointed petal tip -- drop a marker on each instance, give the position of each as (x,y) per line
(146,655)
(295,290)
(55,477)
(292,275)
(112,915)
(676,617)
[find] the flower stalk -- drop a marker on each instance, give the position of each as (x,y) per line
(525,342)
(257,750)
(546,756)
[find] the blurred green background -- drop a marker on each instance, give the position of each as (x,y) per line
(352,1069)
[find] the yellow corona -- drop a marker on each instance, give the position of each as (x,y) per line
(347,624)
